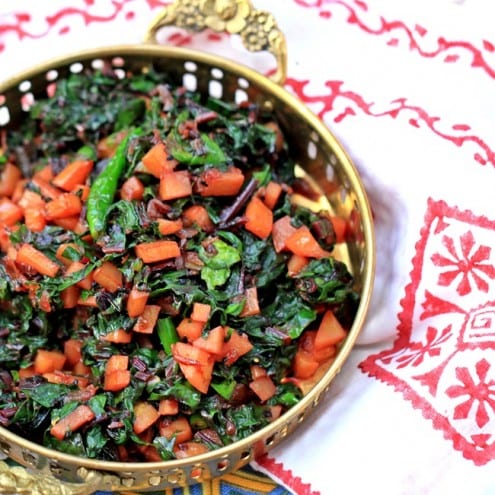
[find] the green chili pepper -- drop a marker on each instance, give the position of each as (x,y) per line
(105,186)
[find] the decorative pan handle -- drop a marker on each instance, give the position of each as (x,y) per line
(258,29)
(16,480)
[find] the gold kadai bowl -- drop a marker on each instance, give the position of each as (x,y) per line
(316,151)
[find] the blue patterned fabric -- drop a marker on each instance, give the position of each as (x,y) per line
(246,481)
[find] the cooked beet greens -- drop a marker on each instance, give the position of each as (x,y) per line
(161,292)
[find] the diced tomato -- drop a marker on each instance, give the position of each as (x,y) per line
(195,363)
(340,227)
(132,189)
(145,415)
(235,347)
(63,206)
(136,302)
(45,173)
(168,407)
(116,380)
(303,243)
(119,336)
(215,182)
(117,362)
(213,341)
(189,449)
(10,176)
(330,332)
(251,305)
(174,185)
(282,229)
(117,376)
(197,216)
(295,264)
(259,218)
(108,276)
(168,227)
(273,191)
(157,160)
(72,351)
(77,266)
(10,213)
(146,321)
(257,371)
(47,361)
(179,429)
(70,296)
(34,218)
(200,312)
(31,199)
(275,411)
(190,329)
(74,174)
(304,365)
(27,372)
(72,422)
(263,387)
(151,252)
(307,344)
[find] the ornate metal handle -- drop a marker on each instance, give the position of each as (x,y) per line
(17,480)
(257,29)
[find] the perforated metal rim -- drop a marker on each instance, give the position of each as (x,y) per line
(319,139)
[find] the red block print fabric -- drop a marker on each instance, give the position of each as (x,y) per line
(408,88)
(443,360)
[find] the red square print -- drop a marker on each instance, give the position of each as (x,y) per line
(443,359)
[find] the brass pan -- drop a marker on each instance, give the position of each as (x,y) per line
(319,155)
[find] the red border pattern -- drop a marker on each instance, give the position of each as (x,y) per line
(442,358)
(286,476)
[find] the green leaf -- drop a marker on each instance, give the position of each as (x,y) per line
(95,441)
(97,404)
(46,394)
(224,255)
(216,270)
(131,112)
(224,388)
(209,153)
(165,447)
(214,277)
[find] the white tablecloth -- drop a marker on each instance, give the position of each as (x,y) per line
(408,88)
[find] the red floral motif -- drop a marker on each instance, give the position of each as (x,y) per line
(419,351)
(467,264)
(442,359)
(479,393)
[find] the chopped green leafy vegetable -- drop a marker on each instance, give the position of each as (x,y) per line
(162,291)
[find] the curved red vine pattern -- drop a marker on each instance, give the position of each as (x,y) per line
(393,30)
(20,25)
(398,107)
